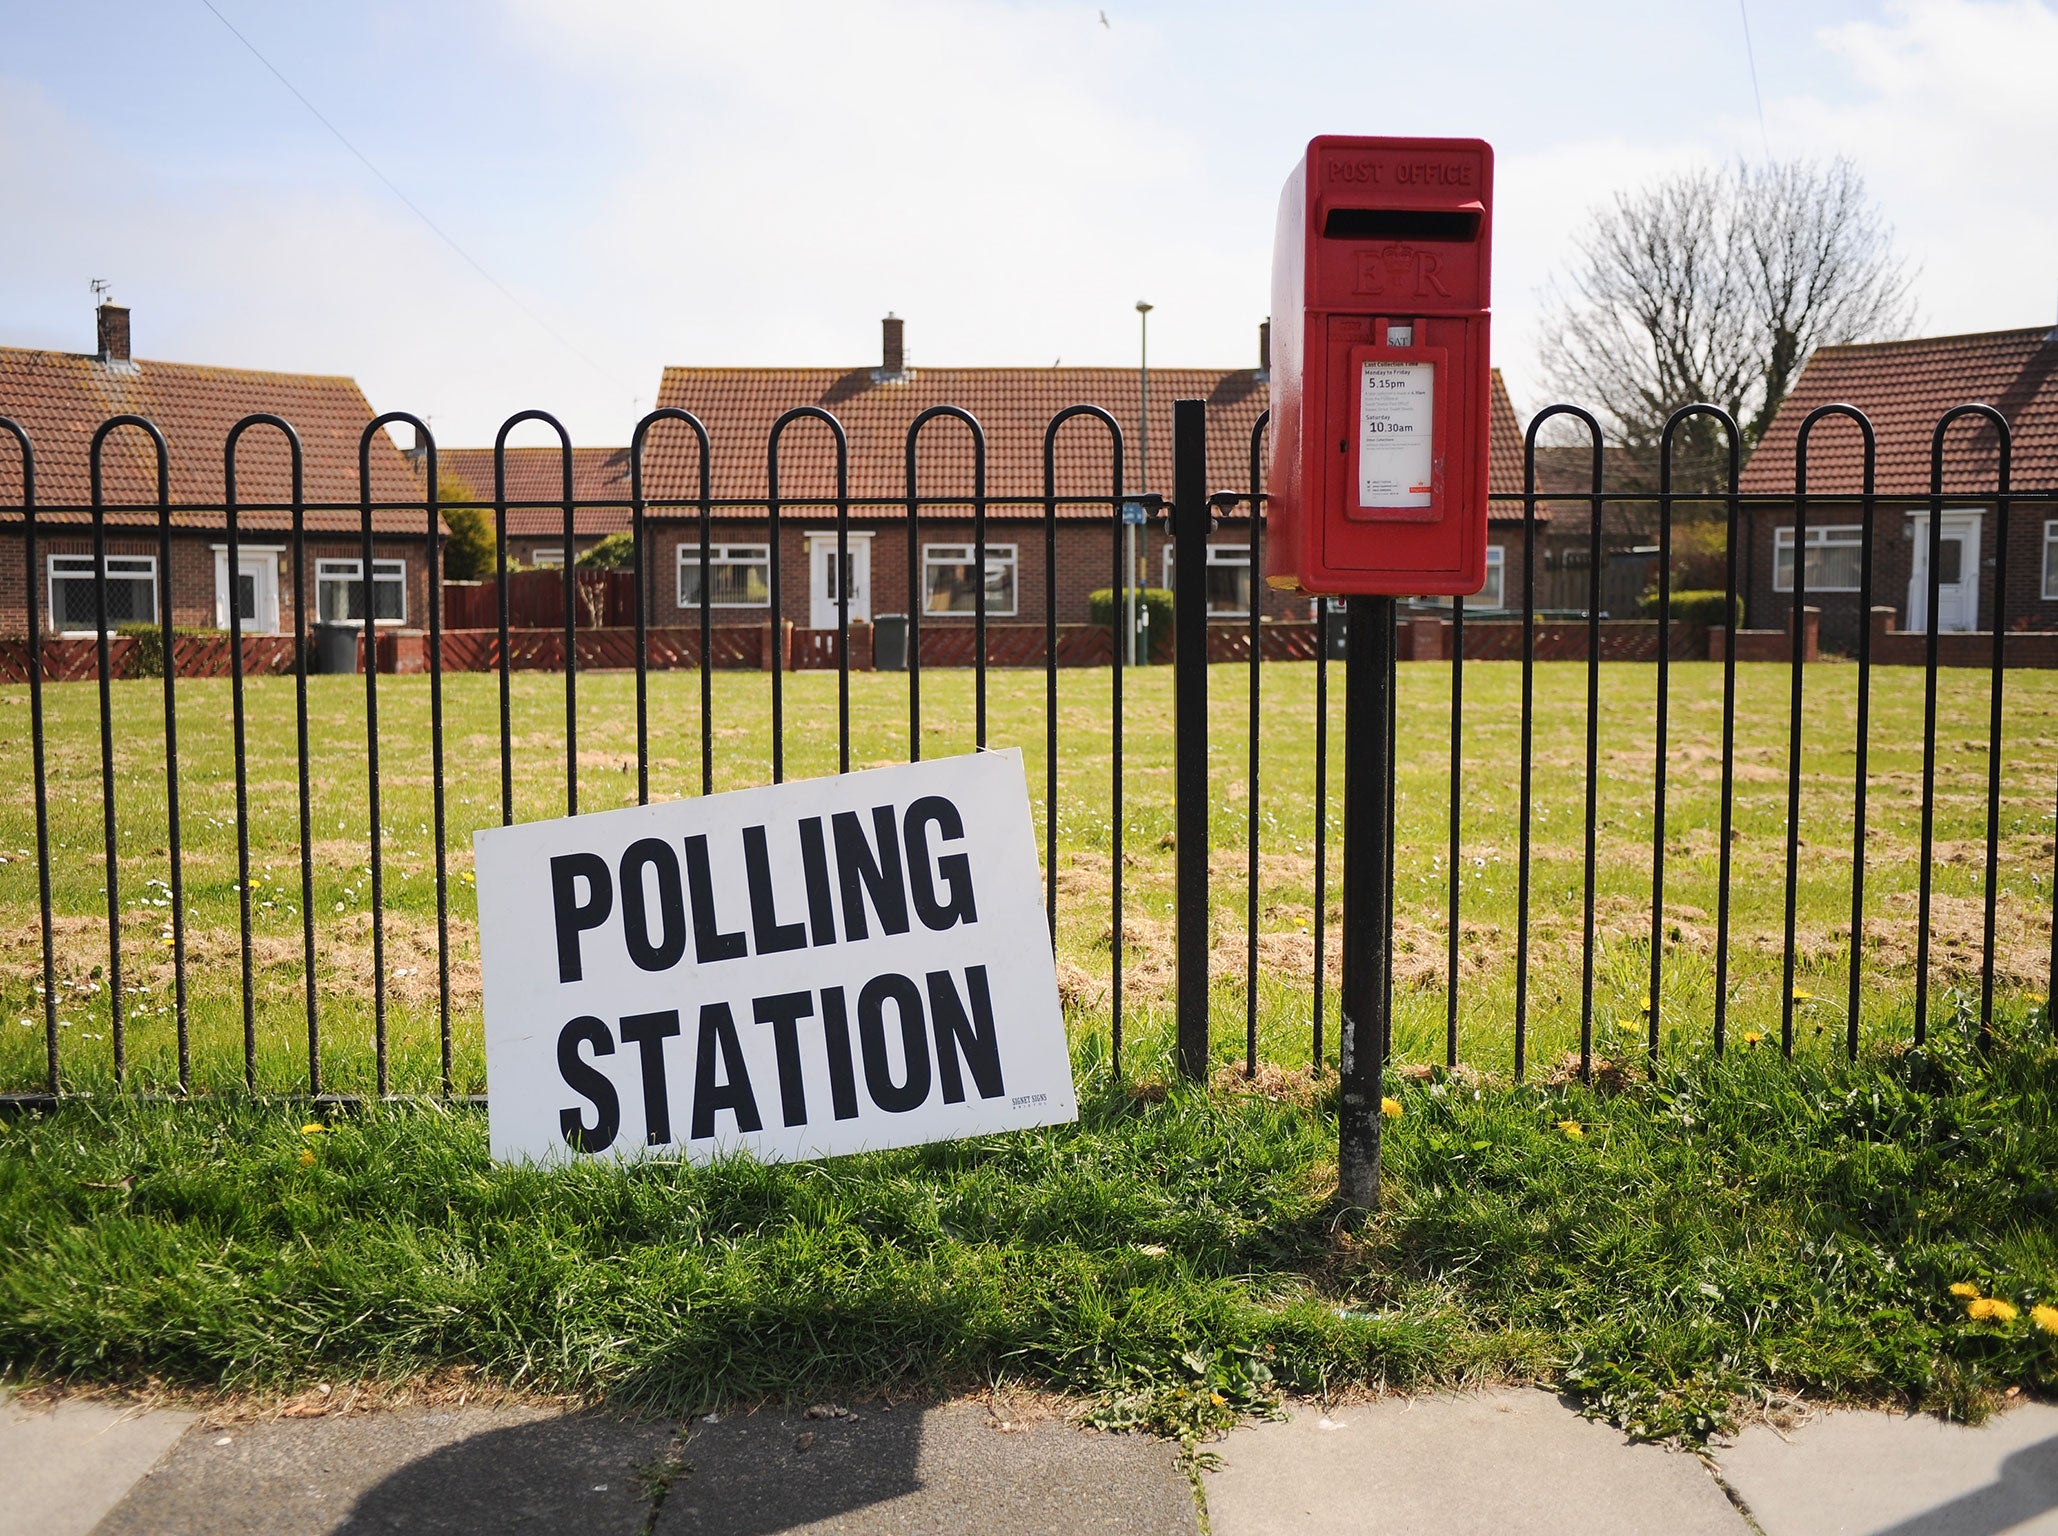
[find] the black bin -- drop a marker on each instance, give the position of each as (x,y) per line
(335,649)
(890,642)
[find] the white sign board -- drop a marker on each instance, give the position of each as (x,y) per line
(809,969)
(1396,434)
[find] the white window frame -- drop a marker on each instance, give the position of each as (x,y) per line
(2051,560)
(998,557)
(127,568)
(1494,594)
(352,569)
(1846,536)
(1218,554)
(723,554)
(550,558)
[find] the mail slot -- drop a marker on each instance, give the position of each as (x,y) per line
(1379,369)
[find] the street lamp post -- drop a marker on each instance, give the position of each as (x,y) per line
(1138,546)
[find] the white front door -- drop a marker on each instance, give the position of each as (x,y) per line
(256,589)
(1957,571)
(825,583)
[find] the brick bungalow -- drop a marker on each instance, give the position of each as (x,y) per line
(876,405)
(536,534)
(61,398)
(1904,387)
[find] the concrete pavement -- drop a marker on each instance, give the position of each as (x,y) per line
(1523,1463)
(909,1469)
(1512,1462)
(63,1466)
(1886,1474)
(1484,1464)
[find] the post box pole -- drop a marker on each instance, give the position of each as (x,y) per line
(1190,725)
(1367,893)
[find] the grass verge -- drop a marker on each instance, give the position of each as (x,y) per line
(1670,1249)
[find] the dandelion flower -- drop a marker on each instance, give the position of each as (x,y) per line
(1752,1037)
(1573,1130)
(1391,1108)
(306,1155)
(1803,997)
(2045,1317)
(1991,1309)
(313,1128)
(1964,1290)
(1217,1399)
(1647,1003)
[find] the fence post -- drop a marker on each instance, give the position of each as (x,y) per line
(1367,894)
(1190,717)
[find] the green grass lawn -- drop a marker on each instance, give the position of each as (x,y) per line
(1732,1230)
(1287,818)
(1672,1246)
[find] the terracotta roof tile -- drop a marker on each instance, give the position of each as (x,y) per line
(1904,387)
(537,474)
(61,398)
(1013,407)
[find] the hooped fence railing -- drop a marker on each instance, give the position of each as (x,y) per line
(1990,834)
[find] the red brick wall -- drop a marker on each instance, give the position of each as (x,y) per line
(192,572)
(1085,563)
(1893,562)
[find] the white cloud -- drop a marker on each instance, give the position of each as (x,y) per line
(992,173)
(759,183)
(1952,123)
(314,279)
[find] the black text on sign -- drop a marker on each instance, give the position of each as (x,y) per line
(797,971)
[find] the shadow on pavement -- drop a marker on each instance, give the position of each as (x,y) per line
(587,1472)
(754,1474)
(917,1469)
(2026,1488)
(747,1476)
(454,1472)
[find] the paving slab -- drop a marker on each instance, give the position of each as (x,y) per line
(1890,1474)
(63,1465)
(1502,1463)
(450,1471)
(915,1470)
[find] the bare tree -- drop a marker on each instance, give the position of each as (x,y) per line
(1717,286)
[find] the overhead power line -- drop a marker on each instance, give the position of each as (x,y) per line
(1751,58)
(415,208)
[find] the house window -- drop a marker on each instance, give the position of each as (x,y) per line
(552,558)
(950,582)
(1229,579)
(131,591)
(1494,593)
(2051,561)
(339,591)
(1836,558)
(740,576)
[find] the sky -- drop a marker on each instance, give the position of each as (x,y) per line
(616,186)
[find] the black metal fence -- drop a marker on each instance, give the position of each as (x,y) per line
(1483,760)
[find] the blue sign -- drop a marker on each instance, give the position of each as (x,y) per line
(1133,513)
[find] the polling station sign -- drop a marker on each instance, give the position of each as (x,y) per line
(808,969)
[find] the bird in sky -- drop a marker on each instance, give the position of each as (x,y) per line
(1104,20)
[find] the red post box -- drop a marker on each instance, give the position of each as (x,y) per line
(1379,369)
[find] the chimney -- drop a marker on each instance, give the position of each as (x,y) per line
(1264,349)
(892,353)
(114,333)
